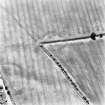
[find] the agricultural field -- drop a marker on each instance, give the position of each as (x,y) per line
(32,76)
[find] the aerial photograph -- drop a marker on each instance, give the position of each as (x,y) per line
(52,52)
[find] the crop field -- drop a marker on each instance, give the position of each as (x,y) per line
(31,75)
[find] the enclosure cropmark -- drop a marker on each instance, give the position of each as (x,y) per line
(87,10)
